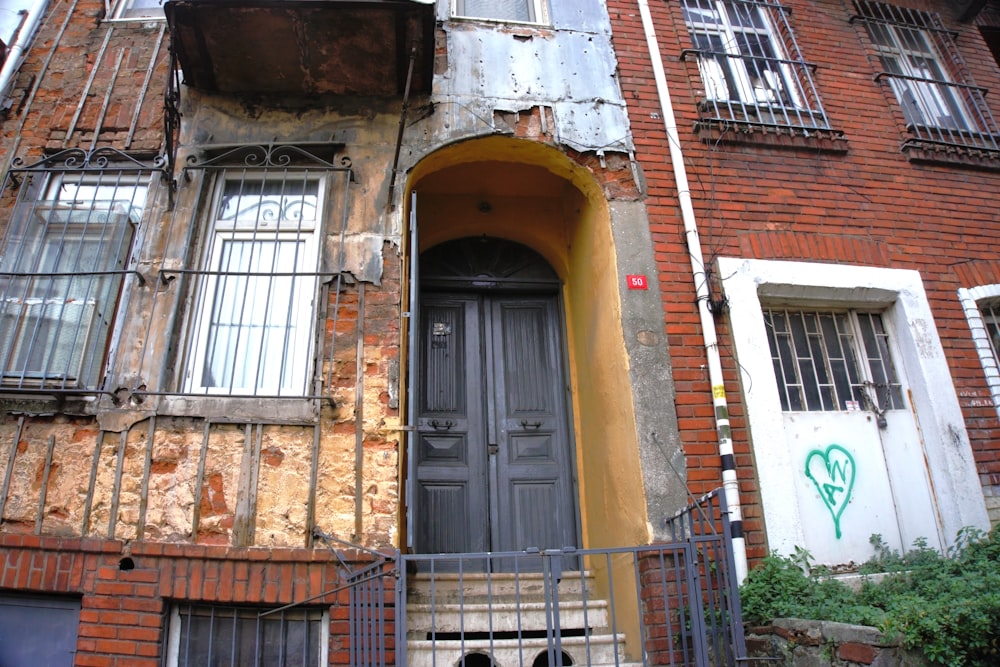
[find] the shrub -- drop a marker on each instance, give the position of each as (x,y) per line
(946,606)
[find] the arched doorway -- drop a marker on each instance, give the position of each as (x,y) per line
(494,448)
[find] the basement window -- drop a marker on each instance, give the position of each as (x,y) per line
(66,252)
(520,11)
(829,361)
(254,324)
(214,635)
(921,65)
(750,66)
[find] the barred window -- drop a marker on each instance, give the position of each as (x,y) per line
(921,64)
(211,635)
(254,322)
(522,11)
(750,65)
(828,361)
(65,255)
(982,310)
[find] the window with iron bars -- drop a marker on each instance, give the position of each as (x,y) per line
(750,65)
(923,68)
(66,252)
(213,635)
(830,361)
(253,326)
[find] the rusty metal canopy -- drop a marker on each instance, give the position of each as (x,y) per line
(303,47)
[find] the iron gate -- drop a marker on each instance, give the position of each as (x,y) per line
(675,603)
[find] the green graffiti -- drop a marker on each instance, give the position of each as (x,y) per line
(832,471)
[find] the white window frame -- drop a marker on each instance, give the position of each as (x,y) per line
(971,299)
(74,350)
(175,631)
(900,295)
(750,90)
(538,12)
(145,10)
(305,234)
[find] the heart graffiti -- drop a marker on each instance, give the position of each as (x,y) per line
(832,472)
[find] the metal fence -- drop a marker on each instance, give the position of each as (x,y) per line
(675,603)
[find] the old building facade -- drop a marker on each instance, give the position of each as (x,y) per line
(291,284)
(290,278)
(832,167)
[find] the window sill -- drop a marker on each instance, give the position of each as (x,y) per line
(927,152)
(241,408)
(715,130)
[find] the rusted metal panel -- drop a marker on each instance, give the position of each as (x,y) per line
(573,71)
(306,47)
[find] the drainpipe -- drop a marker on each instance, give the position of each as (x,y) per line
(24,33)
(729,483)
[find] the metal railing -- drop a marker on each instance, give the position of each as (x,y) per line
(665,604)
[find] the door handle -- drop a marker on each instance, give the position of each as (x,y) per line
(492,449)
(442,426)
(526,424)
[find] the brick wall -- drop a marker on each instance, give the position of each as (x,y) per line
(861,201)
(124,611)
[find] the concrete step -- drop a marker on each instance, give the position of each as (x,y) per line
(470,588)
(594,651)
(574,614)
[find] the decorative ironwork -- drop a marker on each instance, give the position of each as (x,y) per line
(99,159)
(172,118)
(265,156)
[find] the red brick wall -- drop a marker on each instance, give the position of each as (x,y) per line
(861,202)
(124,612)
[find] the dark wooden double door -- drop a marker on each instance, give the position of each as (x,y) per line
(494,464)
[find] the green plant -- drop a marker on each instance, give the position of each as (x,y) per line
(947,606)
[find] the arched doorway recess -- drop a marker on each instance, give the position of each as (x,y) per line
(527,193)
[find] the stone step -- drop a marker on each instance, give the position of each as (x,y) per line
(450,587)
(594,651)
(574,614)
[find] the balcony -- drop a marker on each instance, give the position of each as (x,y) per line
(303,48)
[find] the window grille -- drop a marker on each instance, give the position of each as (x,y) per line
(254,320)
(257,288)
(990,311)
(66,254)
(522,11)
(207,635)
(751,67)
(829,361)
(923,68)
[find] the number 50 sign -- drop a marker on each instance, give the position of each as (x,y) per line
(636,282)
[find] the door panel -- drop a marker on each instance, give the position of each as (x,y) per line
(533,477)
(451,491)
(494,465)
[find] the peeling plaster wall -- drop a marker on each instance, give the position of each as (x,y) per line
(215,470)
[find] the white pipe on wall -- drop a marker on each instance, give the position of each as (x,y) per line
(15,53)
(729,481)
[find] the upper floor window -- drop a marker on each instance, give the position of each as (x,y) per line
(750,66)
(522,11)
(924,70)
(65,257)
(134,9)
(253,326)
(830,361)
